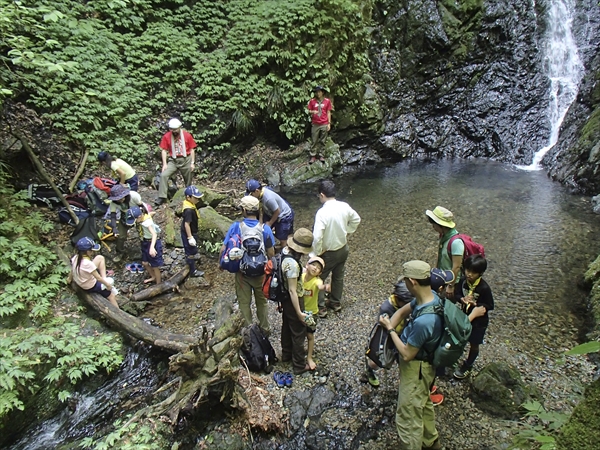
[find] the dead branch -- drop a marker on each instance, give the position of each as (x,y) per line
(79,170)
(167,285)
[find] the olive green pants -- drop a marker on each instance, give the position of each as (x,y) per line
(415,418)
(244,287)
(318,137)
(173,165)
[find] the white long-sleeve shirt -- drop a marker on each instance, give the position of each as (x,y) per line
(334,221)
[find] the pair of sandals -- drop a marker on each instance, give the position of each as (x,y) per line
(283,378)
(134,267)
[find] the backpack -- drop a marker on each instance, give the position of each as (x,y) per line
(273,286)
(85,228)
(43,193)
(381,349)
(78,199)
(455,333)
(471,247)
(256,350)
(255,258)
(103,184)
(65,217)
(235,241)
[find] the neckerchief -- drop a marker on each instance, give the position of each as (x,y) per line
(189,205)
(174,154)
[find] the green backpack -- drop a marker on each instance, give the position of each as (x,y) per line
(455,333)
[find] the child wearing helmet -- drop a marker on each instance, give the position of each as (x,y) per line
(90,274)
(189,229)
(152,251)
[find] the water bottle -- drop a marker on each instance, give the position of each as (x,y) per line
(447,346)
(225,259)
(274,282)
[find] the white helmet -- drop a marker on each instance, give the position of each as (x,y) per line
(174,124)
(236,253)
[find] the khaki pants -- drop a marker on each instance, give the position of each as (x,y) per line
(318,137)
(173,165)
(244,286)
(415,418)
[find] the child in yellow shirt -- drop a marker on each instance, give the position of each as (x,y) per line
(312,284)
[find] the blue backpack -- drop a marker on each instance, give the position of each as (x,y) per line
(235,241)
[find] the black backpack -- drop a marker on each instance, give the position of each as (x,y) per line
(86,228)
(273,287)
(381,349)
(255,258)
(256,350)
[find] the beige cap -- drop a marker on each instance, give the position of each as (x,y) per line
(417,270)
(317,259)
(249,203)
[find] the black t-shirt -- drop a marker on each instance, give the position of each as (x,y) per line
(482,295)
(190,216)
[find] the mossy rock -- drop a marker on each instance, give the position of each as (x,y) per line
(210,198)
(499,390)
(212,225)
(301,172)
(582,431)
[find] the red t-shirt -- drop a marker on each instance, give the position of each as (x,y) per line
(324,107)
(165,143)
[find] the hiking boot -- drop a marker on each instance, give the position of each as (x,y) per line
(336,307)
(462,373)
(436,399)
(159,201)
(437,445)
(322,313)
(372,378)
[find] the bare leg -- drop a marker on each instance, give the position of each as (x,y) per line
(100,263)
(149,270)
(113,299)
(155,271)
(311,346)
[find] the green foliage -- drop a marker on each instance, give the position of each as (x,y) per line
(543,432)
(231,65)
(132,435)
(585,348)
(213,246)
(57,349)
(52,350)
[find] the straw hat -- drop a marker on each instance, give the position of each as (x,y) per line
(441,216)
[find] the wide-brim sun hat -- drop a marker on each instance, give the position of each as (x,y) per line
(118,191)
(441,216)
(302,241)
(175,124)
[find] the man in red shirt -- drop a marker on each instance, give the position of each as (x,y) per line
(177,151)
(320,112)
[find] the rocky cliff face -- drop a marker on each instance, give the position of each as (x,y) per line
(575,159)
(466,78)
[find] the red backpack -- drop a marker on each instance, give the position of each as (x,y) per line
(471,247)
(104,184)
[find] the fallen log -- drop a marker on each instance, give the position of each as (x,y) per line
(169,342)
(167,285)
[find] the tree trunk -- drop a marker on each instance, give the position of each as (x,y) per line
(79,170)
(167,285)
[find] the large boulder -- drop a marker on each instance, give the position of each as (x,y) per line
(499,390)
(299,171)
(210,198)
(583,429)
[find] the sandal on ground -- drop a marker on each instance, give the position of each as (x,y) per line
(131,267)
(288,378)
(279,378)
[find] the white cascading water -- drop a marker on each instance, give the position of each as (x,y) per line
(564,69)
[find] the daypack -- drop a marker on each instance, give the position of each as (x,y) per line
(273,286)
(235,241)
(103,184)
(85,228)
(455,333)
(471,247)
(78,199)
(256,350)
(255,258)
(43,193)
(381,349)
(65,217)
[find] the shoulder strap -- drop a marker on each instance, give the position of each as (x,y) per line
(450,241)
(438,309)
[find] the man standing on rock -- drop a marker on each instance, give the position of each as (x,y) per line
(177,152)
(277,213)
(333,223)
(320,112)
(415,417)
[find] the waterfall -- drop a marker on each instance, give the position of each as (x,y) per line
(564,68)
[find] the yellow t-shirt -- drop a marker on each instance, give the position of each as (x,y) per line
(126,168)
(311,293)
